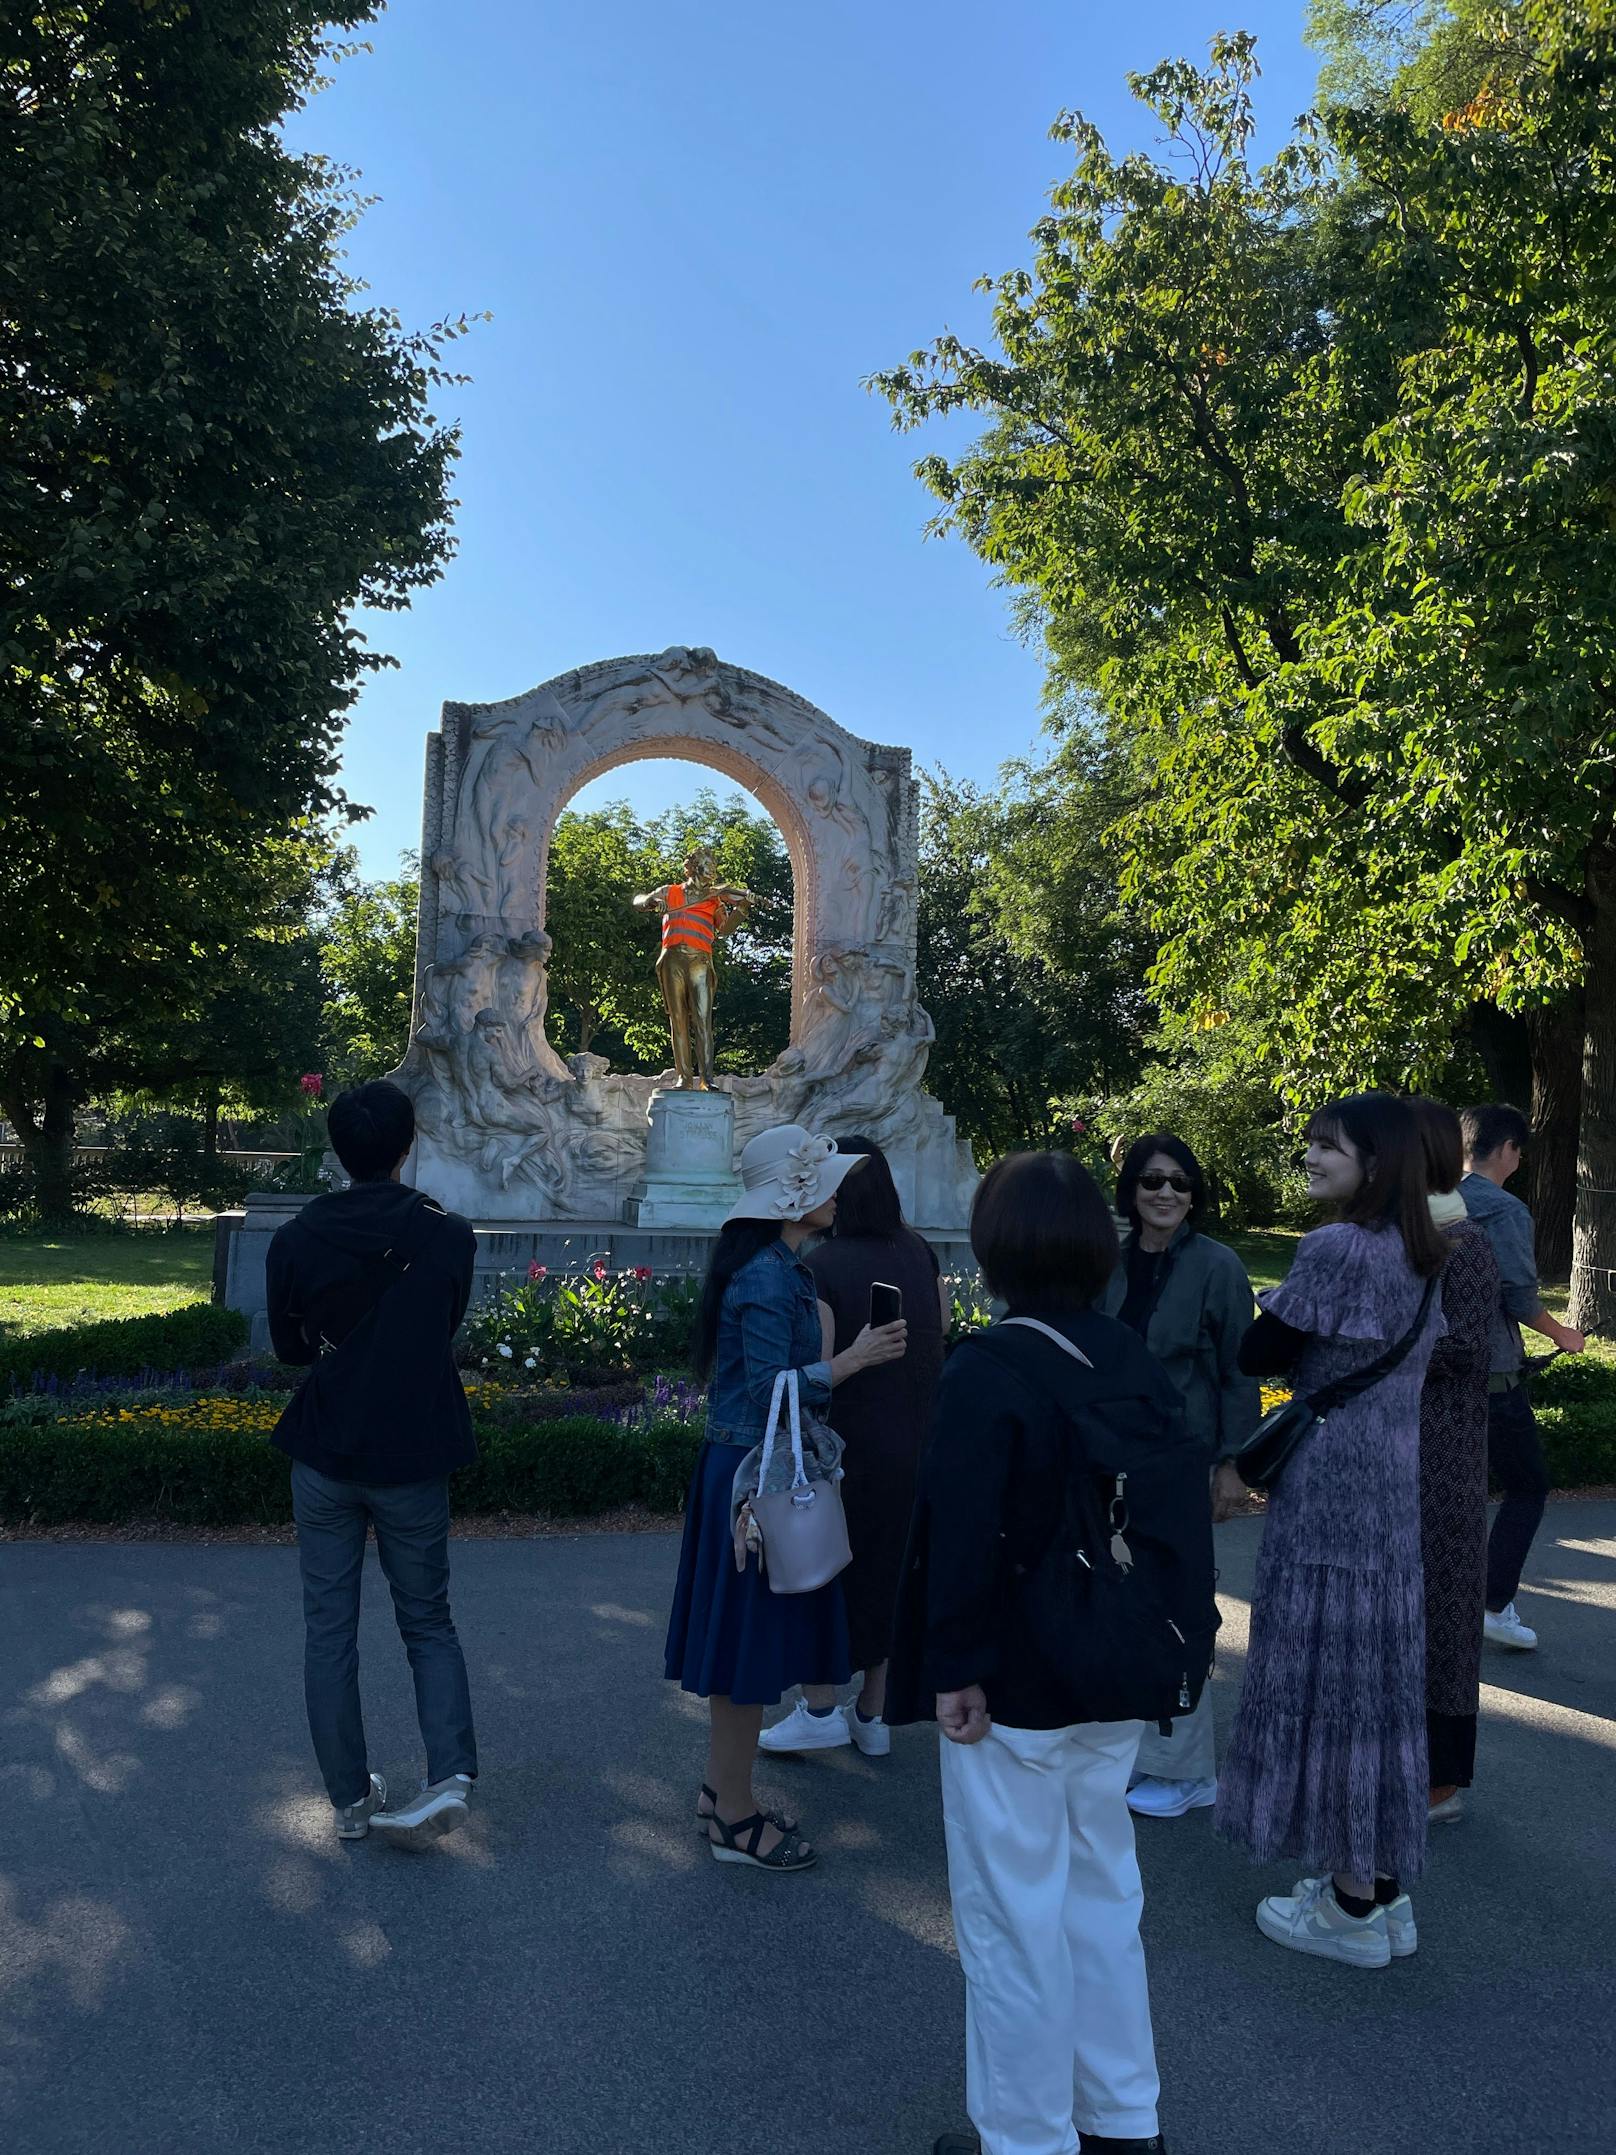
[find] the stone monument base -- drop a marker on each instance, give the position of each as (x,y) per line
(505,1250)
(689,1179)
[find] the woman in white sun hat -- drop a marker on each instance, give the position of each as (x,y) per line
(730,1640)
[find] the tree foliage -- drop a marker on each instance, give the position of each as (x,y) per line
(1030,974)
(1306,473)
(212,454)
(366,940)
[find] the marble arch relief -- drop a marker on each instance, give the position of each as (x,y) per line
(511,1131)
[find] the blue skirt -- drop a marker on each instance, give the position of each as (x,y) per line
(730,1637)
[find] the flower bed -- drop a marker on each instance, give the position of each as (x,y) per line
(584,1326)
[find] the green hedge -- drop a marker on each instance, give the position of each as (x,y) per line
(105,1471)
(208,1462)
(198,1335)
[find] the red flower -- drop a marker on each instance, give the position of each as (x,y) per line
(642,1272)
(599,1268)
(536,1271)
(1079,1126)
(312,1083)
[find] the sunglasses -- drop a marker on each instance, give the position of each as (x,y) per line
(1176,1183)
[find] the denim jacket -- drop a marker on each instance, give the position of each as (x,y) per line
(769,1321)
(1509,1229)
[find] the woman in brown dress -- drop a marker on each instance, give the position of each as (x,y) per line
(884,1418)
(1453,1472)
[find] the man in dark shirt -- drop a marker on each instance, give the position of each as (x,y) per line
(368,1285)
(1495,1138)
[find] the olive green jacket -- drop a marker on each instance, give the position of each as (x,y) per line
(1204,1308)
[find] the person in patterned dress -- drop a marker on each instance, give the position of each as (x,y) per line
(1327,1759)
(1453,1470)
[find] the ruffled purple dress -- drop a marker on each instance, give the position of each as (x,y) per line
(1327,1763)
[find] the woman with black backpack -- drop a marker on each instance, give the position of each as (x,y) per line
(1058,1592)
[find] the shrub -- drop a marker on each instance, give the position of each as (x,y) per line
(205,1460)
(196,1335)
(1575,1400)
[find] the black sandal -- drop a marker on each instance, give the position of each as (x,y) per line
(791,1853)
(705,1818)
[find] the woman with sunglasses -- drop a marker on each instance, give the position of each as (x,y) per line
(1190,1301)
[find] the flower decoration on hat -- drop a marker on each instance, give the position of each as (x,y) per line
(799,1176)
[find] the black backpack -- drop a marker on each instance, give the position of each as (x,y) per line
(1121,1603)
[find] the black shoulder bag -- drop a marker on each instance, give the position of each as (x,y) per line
(338,1312)
(1262,1458)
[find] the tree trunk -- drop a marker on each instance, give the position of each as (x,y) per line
(1593,1261)
(44,1126)
(1557,1048)
(586,1026)
(210,1122)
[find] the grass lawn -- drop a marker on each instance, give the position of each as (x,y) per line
(1266,1252)
(57,1279)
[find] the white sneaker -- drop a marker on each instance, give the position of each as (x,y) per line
(1448,1810)
(1402,1933)
(1153,1798)
(437,1810)
(873,1738)
(1314,1922)
(1503,1627)
(803,1731)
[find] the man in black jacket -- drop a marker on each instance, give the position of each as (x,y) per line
(369,1286)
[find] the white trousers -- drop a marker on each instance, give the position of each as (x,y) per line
(1047,1899)
(1189,1754)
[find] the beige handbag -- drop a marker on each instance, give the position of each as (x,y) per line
(804,1526)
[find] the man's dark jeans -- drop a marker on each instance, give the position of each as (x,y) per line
(1515,1458)
(412,1540)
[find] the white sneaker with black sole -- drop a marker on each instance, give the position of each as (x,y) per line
(803,1731)
(873,1738)
(1402,1933)
(440,1808)
(1503,1627)
(1313,1921)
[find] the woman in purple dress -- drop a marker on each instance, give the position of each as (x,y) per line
(1327,1762)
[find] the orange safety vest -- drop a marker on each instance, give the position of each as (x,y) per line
(696,925)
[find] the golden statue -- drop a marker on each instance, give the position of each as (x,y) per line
(695,913)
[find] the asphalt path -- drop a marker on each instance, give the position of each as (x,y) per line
(189,1961)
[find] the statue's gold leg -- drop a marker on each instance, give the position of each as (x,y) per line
(675,993)
(700,991)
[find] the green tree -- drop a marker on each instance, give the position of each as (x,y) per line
(212,455)
(366,940)
(1023,965)
(1200,477)
(1481,622)
(1430,57)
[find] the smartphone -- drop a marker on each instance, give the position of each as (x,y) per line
(886,1303)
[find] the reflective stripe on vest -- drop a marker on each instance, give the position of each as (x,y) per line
(693,925)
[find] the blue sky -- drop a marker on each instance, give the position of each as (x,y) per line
(697,228)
